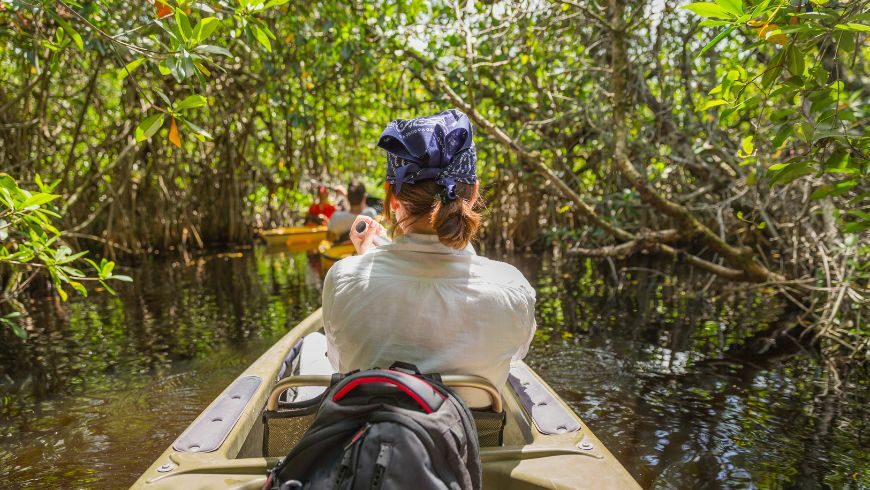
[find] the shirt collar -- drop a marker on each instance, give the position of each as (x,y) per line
(417,242)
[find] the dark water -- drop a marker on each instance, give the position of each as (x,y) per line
(658,367)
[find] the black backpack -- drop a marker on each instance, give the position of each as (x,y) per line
(385,429)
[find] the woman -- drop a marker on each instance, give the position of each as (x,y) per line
(428,298)
(320,212)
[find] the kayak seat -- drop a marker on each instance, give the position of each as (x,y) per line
(308,373)
(286,421)
(284,426)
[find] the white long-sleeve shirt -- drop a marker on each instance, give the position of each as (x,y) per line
(416,300)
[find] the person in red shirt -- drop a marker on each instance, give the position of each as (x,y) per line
(320,212)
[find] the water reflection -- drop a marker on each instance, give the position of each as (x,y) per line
(671,378)
(657,366)
(101,388)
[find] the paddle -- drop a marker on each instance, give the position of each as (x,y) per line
(377,240)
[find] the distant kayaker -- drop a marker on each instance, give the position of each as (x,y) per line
(320,212)
(338,229)
(428,298)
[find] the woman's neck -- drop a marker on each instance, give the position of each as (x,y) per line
(420,226)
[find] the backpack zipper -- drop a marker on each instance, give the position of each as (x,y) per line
(351,455)
(381,466)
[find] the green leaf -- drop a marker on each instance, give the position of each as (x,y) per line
(851,26)
(79,287)
(121,277)
(7,182)
(261,37)
(275,3)
(712,103)
(784,132)
(269,32)
(722,35)
(94,265)
(732,6)
(834,189)
(804,131)
(782,174)
(773,69)
(199,132)
(67,257)
(129,67)
(795,60)
(714,23)
(820,74)
(148,127)
(107,267)
(163,97)
(708,10)
(208,48)
(163,68)
(38,199)
(204,29)
(746,147)
(183,24)
(108,288)
(72,33)
(181,66)
(17,329)
(191,102)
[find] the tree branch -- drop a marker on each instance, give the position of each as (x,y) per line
(739,257)
(645,240)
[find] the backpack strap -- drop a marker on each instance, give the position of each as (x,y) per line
(427,397)
(409,368)
(406,367)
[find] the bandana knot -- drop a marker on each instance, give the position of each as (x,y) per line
(437,147)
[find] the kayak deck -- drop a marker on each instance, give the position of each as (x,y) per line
(545,444)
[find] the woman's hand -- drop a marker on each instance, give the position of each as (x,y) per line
(362,242)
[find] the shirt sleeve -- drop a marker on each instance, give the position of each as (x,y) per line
(529,322)
(328,301)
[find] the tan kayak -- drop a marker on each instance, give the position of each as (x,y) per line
(330,254)
(294,237)
(544,443)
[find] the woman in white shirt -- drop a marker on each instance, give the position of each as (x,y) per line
(428,298)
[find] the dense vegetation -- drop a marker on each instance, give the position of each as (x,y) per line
(729,136)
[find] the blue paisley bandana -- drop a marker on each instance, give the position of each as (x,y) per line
(431,147)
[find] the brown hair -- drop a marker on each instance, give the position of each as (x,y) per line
(456,222)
